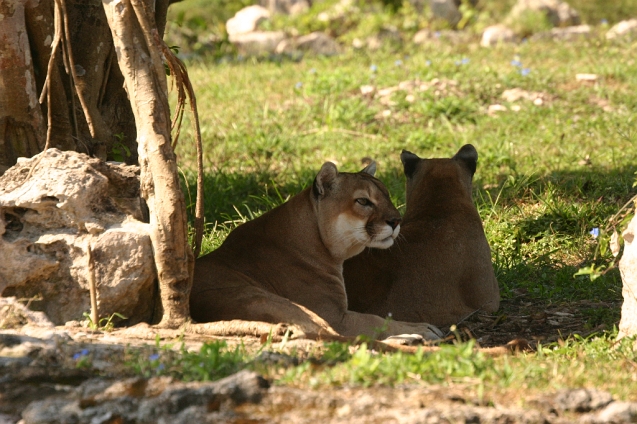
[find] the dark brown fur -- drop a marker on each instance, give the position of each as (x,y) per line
(439,270)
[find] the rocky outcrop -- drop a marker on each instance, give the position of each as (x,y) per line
(54,209)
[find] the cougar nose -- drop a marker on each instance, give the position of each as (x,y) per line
(393,223)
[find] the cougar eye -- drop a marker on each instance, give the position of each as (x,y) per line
(364,201)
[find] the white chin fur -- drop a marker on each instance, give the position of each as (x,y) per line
(385,239)
(382,244)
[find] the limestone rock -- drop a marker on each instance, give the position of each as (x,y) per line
(497,34)
(628,270)
(154,400)
(622,29)
(258,42)
(616,412)
(447,10)
(47,223)
(559,13)
(246,20)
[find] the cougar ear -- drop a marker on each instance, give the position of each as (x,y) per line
(468,155)
(410,161)
(370,169)
(324,179)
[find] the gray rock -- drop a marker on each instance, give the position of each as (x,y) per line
(51,411)
(622,29)
(616,412)
(628,270)
(246,20)
(447,10)
(497,34)
(258,42)
(559,13)
(47,223)
(149,400)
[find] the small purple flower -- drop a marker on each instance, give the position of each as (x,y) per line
(428,62)
(312,71)
(398,62)
(516,63)
(298,85)
(154,357)
(78,355)
(464,61)
(525,71)
(437,34)
(160,367)
(594,232)
(604,22)
(373,68)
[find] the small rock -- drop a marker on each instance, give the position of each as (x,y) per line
(516,94)
(423,36)
(368,90)
(494,109)
(586,77)
(246,20)
(622,29)
(497,34)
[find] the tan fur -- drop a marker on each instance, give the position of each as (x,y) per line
(439,270)
(286,266)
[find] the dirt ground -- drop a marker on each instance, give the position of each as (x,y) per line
(40,381)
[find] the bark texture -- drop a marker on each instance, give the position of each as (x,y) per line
(136,41)
(22,126)
(26,35)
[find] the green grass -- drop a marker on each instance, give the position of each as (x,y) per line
(546,176)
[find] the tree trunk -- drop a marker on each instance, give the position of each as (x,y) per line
(136,40)
(26,33)
(22,126)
